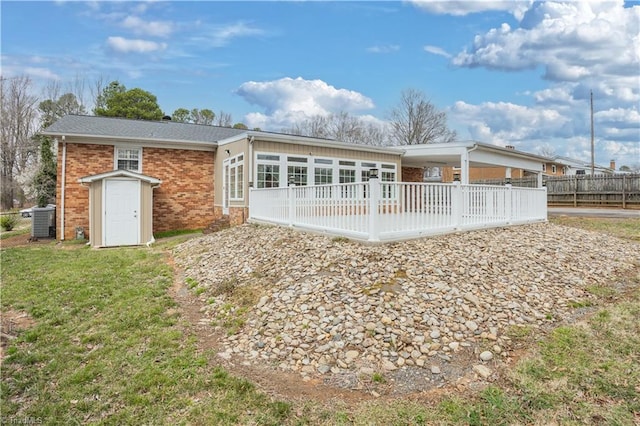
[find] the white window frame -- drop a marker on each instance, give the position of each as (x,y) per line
(235,180)
(553,169)
(116,152)
(361,167)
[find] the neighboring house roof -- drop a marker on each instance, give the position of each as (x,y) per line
(120,173)
(572,162)
(121,128)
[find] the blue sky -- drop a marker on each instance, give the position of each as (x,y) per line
(505,72)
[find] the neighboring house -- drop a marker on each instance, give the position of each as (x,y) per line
(491,173)
(551,167)
(120,181)
(571,167)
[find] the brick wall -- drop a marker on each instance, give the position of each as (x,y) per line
(481,173)
(412,174)
(238,215)
(184,200)
(82,160)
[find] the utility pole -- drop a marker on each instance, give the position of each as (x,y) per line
(593,164)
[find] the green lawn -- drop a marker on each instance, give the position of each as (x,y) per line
(107,347)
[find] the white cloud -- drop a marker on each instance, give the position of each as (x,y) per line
(506,123)
(462,8)
(583,42)
(437,51)
(222,35)
(386,48)
(149,28)
(123,45)
(566,127)
(41,73)
(289,100)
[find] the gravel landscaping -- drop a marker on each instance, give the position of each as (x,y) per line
(419,314)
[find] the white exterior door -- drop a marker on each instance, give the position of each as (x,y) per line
(226,167)
(121,220)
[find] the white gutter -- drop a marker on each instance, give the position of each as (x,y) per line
(251,140)
(63,184)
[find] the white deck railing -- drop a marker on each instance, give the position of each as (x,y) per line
(393,211)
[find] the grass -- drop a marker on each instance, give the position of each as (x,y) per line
(627,228)
(23,227)
(108,348)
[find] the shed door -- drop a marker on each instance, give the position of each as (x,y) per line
(121,212)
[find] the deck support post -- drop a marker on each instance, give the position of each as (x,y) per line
(292,204)
(374,214)
(456,205)
(508,204)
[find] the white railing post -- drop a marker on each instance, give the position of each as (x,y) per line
(374,201)
(456,205)
(292,203)
(508,203)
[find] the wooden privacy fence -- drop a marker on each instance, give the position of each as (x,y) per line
(619,190)
(395,211)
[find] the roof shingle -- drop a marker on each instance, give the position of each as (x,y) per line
(85,125)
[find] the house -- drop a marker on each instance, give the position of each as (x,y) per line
(120,181)
(551,167)
(571,167)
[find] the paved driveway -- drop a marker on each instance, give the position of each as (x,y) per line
(593,212)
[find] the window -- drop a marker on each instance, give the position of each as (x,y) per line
(347,176)
(564,170)
(323,176)
(236,177)
(323,171)
(297,175)
(388,174)
(268,176)
(544,167)
(553,169)
(129,159)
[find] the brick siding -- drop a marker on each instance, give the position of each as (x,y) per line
(412,174)
(184,200)
(82,160)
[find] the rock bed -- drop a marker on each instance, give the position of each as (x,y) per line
(331,307)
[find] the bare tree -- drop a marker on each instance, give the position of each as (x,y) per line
(345,127)
(376,134)
(417,121)
(223,119)
(18,149)
(342,127)
(546,150)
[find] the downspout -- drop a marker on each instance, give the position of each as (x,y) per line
(251,183)
(63,185)
(465,168)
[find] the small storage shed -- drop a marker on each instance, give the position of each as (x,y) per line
(120,208)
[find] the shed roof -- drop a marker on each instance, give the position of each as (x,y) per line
(120,173)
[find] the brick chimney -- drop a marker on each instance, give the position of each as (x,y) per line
(612,164)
